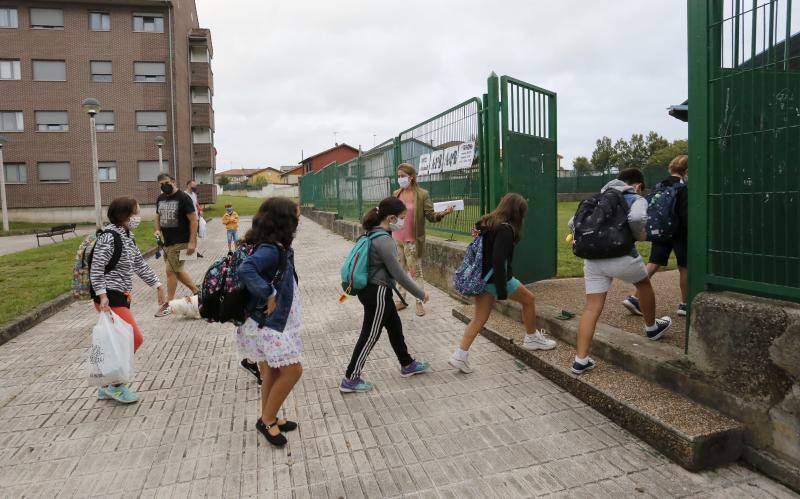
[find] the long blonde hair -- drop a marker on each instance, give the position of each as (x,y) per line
(409,170)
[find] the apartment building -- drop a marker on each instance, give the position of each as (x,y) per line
(147,62)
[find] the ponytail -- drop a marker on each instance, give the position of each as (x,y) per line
(386,208)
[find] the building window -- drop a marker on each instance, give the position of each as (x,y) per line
(151,121)
(148,23)
(149,71)
(54,172)
(16,173)
(199,54)
(203,176)
(107,171)
(49,71)
(52,121)
(11,121)
(8,17)
(47,18)
(99,21)
(148,170)
(104,121)
(101,70)
(201,135)
(9,69)
(201,95)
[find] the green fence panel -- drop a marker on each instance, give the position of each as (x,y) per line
(744,89)
(443,141)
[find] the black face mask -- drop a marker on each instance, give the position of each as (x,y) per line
(167,188)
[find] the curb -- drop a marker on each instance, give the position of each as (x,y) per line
(692,453)
(44,312)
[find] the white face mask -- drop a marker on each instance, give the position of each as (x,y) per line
(134,222)
(404,182)
(398,225)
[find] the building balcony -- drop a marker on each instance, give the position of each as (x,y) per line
(202,115)
(203,156)
(201,76)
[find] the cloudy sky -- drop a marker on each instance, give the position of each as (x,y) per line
(290,74)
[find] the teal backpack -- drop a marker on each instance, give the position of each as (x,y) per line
(355,271)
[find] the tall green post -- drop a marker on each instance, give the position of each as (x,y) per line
(495,174)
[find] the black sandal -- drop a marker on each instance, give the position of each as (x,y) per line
(278,440)
(287,426)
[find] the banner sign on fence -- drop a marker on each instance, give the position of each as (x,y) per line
(466,154)
(437,162)
(424,165)
(450,158)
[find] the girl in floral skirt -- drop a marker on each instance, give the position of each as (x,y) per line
(271,333)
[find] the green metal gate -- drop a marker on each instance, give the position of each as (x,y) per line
(528,165)
(744,97)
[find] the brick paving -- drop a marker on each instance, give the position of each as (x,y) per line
(504,431)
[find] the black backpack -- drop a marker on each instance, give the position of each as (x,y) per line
(601,227)
(115,256)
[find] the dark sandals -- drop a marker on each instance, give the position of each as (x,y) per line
(277,440)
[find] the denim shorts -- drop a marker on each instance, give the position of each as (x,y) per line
(511,286)
(232,235)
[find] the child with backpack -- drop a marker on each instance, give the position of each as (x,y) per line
(498,233)
(667,228)
(605,229)
(383,271)
(270,334)
(112,261)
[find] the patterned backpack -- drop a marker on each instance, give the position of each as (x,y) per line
(662,218)
(223,296)
(468,279)
(81,283)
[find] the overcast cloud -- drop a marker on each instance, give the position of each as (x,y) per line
(289,74)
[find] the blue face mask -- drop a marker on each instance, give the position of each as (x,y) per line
(194,189)
(229,210)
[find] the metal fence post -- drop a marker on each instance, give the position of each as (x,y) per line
(359,185)
(495,175)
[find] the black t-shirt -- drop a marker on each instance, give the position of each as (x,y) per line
(173,211)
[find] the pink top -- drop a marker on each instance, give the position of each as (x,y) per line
(406,234)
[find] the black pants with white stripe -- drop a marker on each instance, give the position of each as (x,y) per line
(379,312)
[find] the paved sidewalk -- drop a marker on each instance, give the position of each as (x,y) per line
(13,244)
(503,431)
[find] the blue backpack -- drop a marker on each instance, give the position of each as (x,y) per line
(355,271)
(468,279)
(662,219)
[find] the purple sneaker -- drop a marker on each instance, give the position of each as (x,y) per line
(355,385)
(414,368)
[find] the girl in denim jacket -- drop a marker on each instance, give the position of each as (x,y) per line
(271,333)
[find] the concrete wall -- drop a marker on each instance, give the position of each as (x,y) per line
(441,260)
(68,215)
(269,191)
(749,347)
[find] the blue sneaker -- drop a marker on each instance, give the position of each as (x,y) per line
(682,310)
(579,368)
(414,368)
(355,385)
(632,304)
(662,325)
(121,394)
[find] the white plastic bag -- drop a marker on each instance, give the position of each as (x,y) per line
(111,353)
(201,228)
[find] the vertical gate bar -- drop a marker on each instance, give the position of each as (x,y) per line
(359,186)
(788,37)
(698,27)
(503,134)
(493,140)
(736,33)
(753,36)
(485,193)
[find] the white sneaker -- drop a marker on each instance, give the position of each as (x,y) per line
(461,365)
(538,341)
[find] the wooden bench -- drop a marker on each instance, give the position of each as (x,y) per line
(58,230)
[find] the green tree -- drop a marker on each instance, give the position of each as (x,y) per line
(258,182)
(632,153)
(655,142)
(662,157)
(581,165)
(223,180)
(604,155)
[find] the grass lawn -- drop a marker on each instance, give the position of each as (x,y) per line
(31,277)
(22,228)
(244,206)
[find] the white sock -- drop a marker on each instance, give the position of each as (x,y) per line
(461,354)
(652,328)
(582,361)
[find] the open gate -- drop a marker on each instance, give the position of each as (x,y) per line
(525,161)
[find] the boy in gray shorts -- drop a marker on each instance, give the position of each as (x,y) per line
(599,274)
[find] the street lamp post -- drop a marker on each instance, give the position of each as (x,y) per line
(3,186)
(92,107)
(160,143)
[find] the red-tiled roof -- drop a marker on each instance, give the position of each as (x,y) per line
(329,150)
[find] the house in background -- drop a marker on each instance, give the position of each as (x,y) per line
(292,176)
(239,175)
(340,153)
(269,175)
